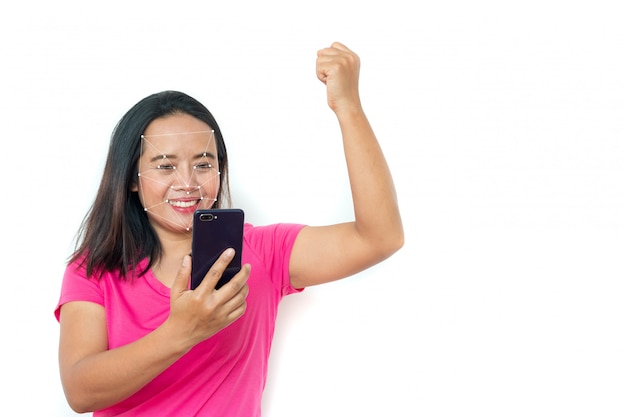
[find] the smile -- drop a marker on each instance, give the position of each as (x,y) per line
(183,204)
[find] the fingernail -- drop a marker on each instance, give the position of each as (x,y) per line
(229,252)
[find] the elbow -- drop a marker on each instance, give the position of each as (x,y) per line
(397,243)
(80,410)
(394,235)
(392,243)
(79,400)
(79,404)
(397,238)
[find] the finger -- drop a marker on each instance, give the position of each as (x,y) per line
(215,272)
(333,60)
(181,282)
(238,309)
(323,65)
(236,292)
(336,48)
(239,280)
(340,46)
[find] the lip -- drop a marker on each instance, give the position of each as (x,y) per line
(184,205)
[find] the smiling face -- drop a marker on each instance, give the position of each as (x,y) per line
(178,171)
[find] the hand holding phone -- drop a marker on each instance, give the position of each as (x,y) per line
(214,231)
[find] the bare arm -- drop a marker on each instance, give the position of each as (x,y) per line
(323,254)
(94,377)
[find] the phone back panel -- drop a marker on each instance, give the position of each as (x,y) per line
(215,230)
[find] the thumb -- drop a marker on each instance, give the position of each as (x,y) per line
(181,282)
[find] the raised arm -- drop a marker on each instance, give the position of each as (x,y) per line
(327,253)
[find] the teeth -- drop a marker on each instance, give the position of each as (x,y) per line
(182,204)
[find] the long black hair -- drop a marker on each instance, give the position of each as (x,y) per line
(116,235)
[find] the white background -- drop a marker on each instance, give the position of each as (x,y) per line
(503,123)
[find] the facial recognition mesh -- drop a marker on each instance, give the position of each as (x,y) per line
(170,183)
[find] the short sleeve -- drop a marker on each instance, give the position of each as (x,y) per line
(273,244)
(77,287)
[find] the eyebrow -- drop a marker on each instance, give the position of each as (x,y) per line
(197,156)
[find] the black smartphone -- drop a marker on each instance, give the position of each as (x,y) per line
(214,231)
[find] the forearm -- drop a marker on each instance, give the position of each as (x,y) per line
(377,215)
(324,254)
(105,378)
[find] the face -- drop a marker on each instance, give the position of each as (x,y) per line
(178,171)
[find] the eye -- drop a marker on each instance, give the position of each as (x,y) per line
(203,165)
(165,167)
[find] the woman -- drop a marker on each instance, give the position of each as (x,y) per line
(134,340)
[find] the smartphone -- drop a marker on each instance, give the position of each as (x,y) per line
(214,231)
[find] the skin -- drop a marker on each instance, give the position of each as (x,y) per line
(178,171)
(94,377)
(159,184)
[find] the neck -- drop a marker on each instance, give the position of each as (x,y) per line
(175,247)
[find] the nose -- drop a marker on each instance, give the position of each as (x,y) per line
(185,180)
(185,188)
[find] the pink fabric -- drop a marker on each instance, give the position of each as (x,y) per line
(222,376)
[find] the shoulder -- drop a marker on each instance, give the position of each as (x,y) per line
(268,248)
(271,243)
(273,234)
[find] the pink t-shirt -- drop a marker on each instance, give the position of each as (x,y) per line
(224,376)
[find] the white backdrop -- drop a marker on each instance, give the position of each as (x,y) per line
(503,123)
